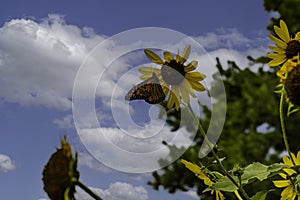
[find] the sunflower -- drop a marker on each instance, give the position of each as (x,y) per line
(177,79)
(202,175)
(289,183)
(59,173)
(286,47)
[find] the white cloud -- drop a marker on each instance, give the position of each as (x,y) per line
(38,61)
(6,164)
(65,123)
(191,195)
(116,191)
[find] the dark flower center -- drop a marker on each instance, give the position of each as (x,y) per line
(292,49)
(172,72)
(292,86)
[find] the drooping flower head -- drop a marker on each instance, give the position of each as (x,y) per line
(59,172)
(286,47)
(177,79)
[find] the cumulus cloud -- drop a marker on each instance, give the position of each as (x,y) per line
(6,164)
(39,61)
(191,195)
(116,191)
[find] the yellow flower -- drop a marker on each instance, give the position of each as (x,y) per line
(202,175)
(289,183)
(290,82)
(175,77)
(286,47)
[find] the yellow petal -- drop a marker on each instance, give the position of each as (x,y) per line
(287,161)
(276,56)
(145,76)
(289,171)
(282,183)
(283,175)
(177,97)
(297,161)
(185,92)
(168,56)
(188,87)
(153,57)
(171,100)
(277,50)
(288,193)
(294,159)
(297,37)
(148,70)
(282,32)
(278,42)
(197,86)
(276,62)
(186,53)
(191,66)
(195,76)
(165,89)
(191,166)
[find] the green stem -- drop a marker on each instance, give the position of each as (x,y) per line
(284,135)
(243,192)
(88,190)
(237,195)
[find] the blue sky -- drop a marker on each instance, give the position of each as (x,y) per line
(43,44)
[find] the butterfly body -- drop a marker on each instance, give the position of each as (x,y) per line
(149,90)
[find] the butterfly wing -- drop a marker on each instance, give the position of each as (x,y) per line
(150,90)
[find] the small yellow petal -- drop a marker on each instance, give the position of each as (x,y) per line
(197,86)
(168,56)
(195,76)
(297,161)
(184,93)
(289,171)
(186,53)
(282,31)
(145,76)
(287,161)
(165,89)
(192,167)
(191,66)
(177,97)
(285,31)
(297,37)
(171,100)
(148,70)
(188,87)
(153,57)
(276,62)
(282,183)
(276,56)
(277,50)
(283,175)
(288,193)
(278,42)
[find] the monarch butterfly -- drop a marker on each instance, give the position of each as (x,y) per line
(150,90)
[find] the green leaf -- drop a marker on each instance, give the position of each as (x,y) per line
(255,170)
(223,184)
(261,195)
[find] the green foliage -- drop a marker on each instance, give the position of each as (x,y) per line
(288,11)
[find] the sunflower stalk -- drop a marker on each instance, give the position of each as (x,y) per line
(284,134)
(88,190)
(220,164)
